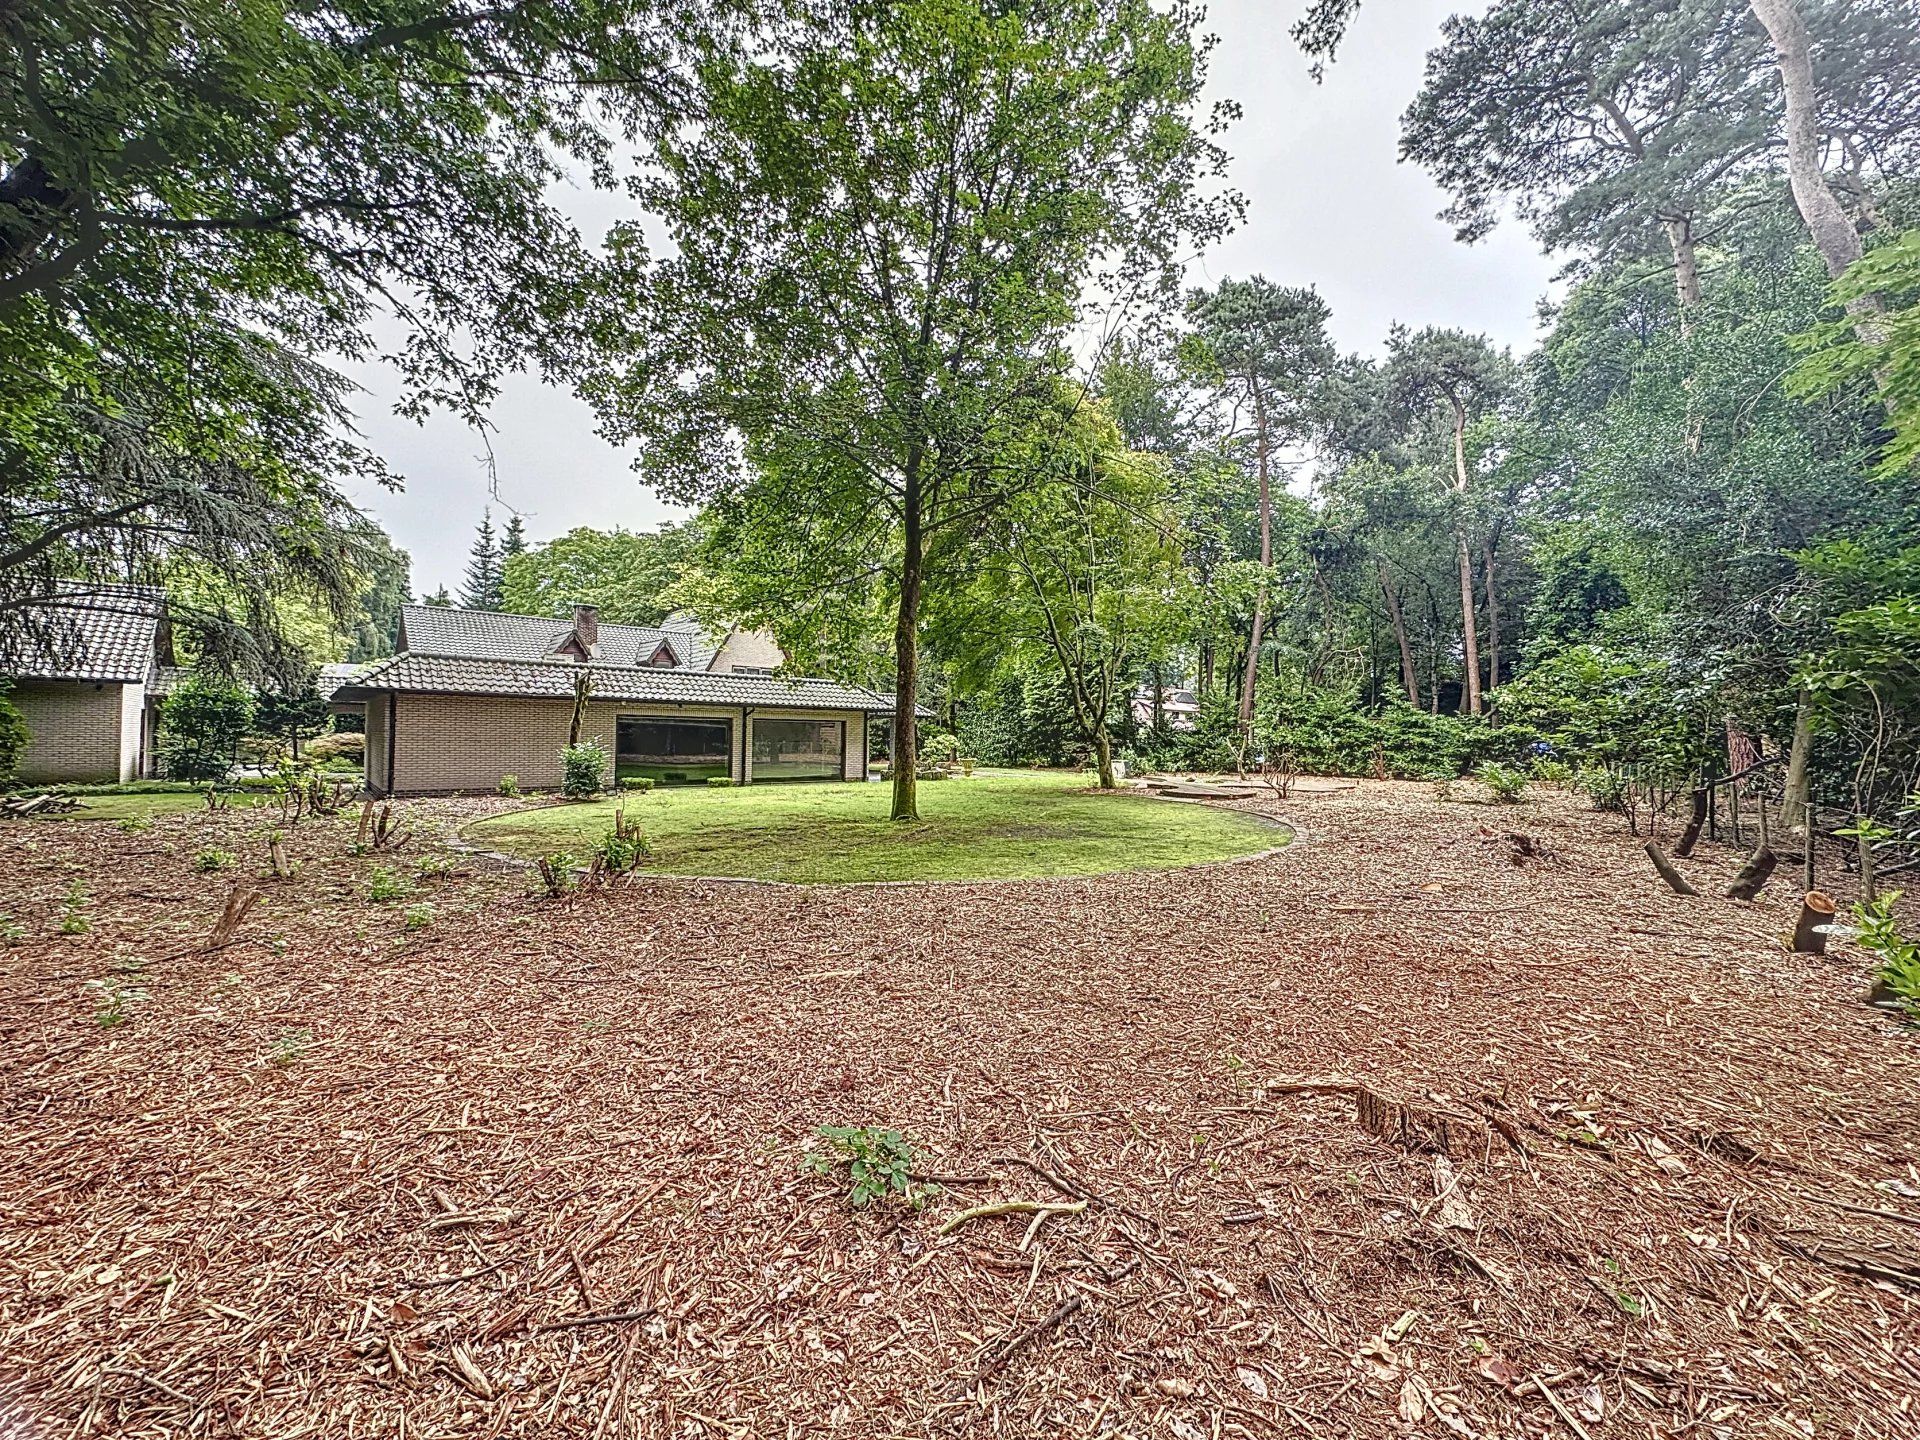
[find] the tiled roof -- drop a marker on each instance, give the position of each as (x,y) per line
(332,677)
(554,679)
(91,632)
(492,635)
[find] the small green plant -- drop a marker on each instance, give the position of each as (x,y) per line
(110,1001)
(417,917)
(1606,788)
(509,785)
(637,782)
(1549,771)
(385,885)
(212,859)
(1507,785)
(134,824)
(73,912)
(555,870)
(583,769)
(720,782)
(879,1162)
(620,851)
(1898,954)
(434,867)
(12,932)
(288,1046)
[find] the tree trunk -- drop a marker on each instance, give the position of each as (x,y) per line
(1103,757)
(1252,673)
(1816,910)
(1672,876)
(1794,790)
(906,652)
(1695,821)
(1407,676)
(1469,636)
(582,692)
(1686,270)
(1157,674)
(1753,876)
(1493,617)
(1826,219)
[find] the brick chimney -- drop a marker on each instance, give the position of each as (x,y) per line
(586,627)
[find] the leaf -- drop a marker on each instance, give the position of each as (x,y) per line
(1252,1381)
(1498,1369)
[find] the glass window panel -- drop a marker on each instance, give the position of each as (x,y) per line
(673,750)
(798,749)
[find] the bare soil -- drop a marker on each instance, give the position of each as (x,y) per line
(1627,1167)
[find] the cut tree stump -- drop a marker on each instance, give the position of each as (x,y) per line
(1416,1127)
(1752,877)
(1696,822)
(1816,911)
(1667,873)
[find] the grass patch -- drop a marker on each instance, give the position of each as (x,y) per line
(1000,827)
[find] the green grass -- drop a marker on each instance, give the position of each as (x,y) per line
(999,827)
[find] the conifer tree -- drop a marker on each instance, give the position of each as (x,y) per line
(482,590)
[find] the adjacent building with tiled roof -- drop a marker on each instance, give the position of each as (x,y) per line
(83,669)
(474,696)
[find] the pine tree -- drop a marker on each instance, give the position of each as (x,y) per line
(438,598)
(482,588)
(513,539)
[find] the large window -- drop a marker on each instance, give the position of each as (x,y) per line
(673,750)
(798,749)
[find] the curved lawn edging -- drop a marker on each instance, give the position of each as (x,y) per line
(1044,826)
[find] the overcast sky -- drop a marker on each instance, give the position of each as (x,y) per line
(1328,206)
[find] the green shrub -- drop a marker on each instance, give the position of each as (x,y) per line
(385,885)
(556,873)
(1606,788)
(340,745)
(637,782)
(509,786)
(620,851)
(719,782)
(202,723)
(14,735)
(417,917)
(212,859)
(583,769)
(73,911)
(879,1162)
(1898,954)
(1507,786)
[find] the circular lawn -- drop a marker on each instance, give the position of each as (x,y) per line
(988,827)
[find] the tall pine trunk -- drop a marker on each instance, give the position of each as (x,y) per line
(906,650)
(1252,673)
(1493,617)
(1468,632)
(1407,676)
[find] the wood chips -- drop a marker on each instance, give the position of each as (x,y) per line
(533,1167)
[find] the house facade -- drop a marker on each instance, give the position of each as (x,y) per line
(474,695)
(85,674)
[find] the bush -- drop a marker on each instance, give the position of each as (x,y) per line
(637,782)
(1898,954)
(385,885)
(1591,707)
(620,851)
(1606,788)
(209,860)
(338,746)
(417,917)
(583,769)
(719,782)
(1507,786)
(509,786)
(201,726)
(14,736)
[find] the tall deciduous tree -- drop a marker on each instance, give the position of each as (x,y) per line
(882,228)
(627,574)
(1265,347)
(1460,376)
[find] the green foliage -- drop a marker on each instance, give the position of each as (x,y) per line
(637,782)
(556,871)
(291,710)
(1590,706)
(1606,787)
(211,859)
(720,782)
(620,851)
(385,885)
(509,786)
(202,722)
(1507,785)
(1888,359)
(73,911)
(14,736)
(288,1046)
(482,588)
(417,917)
(111,998)
(1898,954)
(12,932)
(583,770)
(628,575)
(879,1163)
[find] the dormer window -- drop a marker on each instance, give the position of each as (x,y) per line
(663,657)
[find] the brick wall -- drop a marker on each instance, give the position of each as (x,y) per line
(80,730)
(467,742)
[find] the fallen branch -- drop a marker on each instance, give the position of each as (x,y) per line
(1013,1345)
(1041,1208)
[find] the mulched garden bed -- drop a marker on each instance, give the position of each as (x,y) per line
(1389,1134)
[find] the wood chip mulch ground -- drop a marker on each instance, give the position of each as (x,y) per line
(1398,1133)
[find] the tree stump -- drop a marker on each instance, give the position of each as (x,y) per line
(1816,911)
(1696,821)
(1667,873)
(1752,877)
